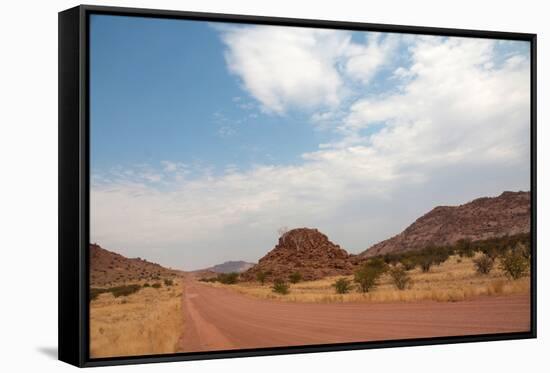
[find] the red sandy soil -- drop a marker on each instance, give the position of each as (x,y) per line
(220,319)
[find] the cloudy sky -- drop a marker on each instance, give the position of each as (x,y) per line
(207,138)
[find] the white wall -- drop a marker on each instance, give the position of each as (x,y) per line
(28,187)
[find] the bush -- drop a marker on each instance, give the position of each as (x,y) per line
(426,263)
(465,248)
(228,278)
(342,285)
(484,264)
(491,253)
(95,292)
(168,282)
(408,264)
(523,249)
(208,279)
(280,287)
(368,274)
(146,285)
(400,277)
(514,264)
(125,290)
(391,259)
(295,277)
(261,277)
(156,285)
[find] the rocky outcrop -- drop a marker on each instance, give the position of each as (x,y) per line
(302,250)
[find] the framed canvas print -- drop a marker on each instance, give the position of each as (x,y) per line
(236,186)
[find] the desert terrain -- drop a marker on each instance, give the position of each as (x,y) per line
(135,306)
(442,276)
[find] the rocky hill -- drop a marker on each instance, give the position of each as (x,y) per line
(483,218)
(302,250)
(231,266)
(108,268)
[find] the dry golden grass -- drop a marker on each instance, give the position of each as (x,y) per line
(454,280)
(147,322)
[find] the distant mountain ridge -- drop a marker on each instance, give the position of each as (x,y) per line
(482,218)
(231,266)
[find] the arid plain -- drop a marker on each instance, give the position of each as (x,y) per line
(459,280)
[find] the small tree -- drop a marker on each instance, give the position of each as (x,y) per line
(491,252)
(465,248)
(368,274)
(426,262)
(514,264)
(228,278)
(408,264)
(342,285)
(483,264)
(295,277)
(280,287)
(400,277)
(523,250)
(261,276)
(124,290)
(168,282)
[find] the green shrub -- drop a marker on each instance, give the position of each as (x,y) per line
(426,263)
(156,285)
(391,258)
(523,249)
(228,278)
(514,264)
(484,264)
(168,282)
(465,248)
(280,287)
(490,252)
(261,277)
(208,279)
(146,285)
(408,263)
(368,274)
(400,277)
(95,292)
(124,290)
(492,247)
(342,285)
(295,277)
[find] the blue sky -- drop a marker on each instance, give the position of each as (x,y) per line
(160,90)
(207,138)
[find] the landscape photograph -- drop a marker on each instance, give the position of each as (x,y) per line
(257,186)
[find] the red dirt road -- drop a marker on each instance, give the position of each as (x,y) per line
(220,319)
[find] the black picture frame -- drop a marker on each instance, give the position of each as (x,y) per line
(74,183)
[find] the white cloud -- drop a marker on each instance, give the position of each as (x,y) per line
(456,107)
(456,129)
(365,60)
(284,67)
